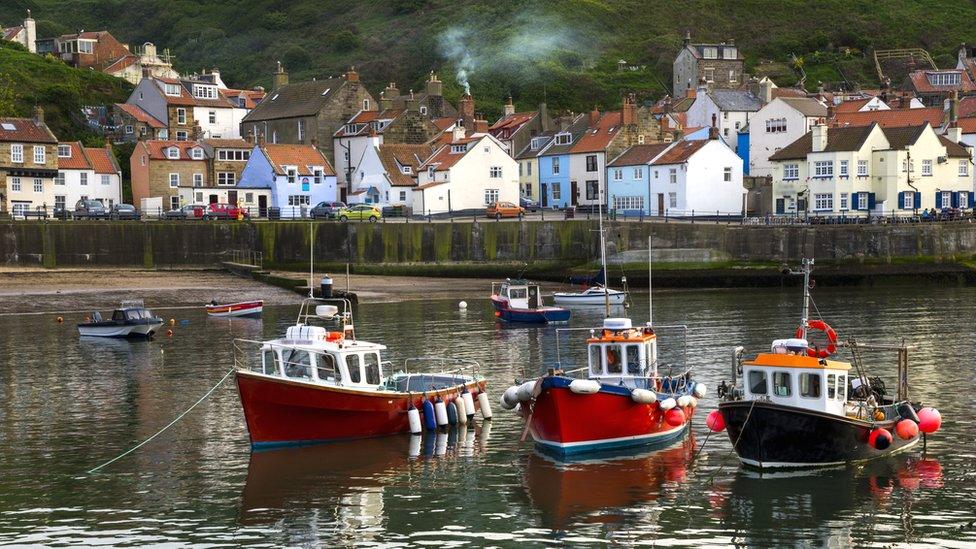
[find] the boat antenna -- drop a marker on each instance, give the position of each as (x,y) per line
(650,294)
(311,262)
(603,263)
(805,270)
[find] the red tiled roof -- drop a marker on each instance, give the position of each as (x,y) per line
(157,150)
(120,64)
(890,118)
(77,160)
(968,125)
(228,143)
(103,161)
(395,155)
(852,106)
(300,156)
(787,92)
(966,107)
(443,159)
(25,130)
(251,97)
(598,137)
(444,123)
(10,32)
(920,81)
(511,123)
(680,152)
(366,118)
(136,112)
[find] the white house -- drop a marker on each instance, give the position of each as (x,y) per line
(387,174)
(295,176)
(190,109)
(468,173)
(777,124)
(86,173)
(865,170)
(727,110)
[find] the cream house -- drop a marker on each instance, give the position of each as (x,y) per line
(777,124)
(469,173)
(871,170)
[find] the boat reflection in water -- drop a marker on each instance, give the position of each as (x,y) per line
(567,491)
(828,505)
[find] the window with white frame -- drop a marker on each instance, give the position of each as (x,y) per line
(592,189)
(40,155)
(129,129)
(964,168)
(710,52)
(174,202)
(727,174)
(17,153)
(495,172)
(672,200)
(555,165)
(776,125)
(403,196)
(86,46)
(64,151)
(591,164)
(317,176)
(844,172)
(173,153)
(791,171)
(944,78)
(823,168)
(628,203)
(83,179)
(564,138)
(38,185)
(733,78)
(365,104)
(15,184)
(673,175)
(298,200)
(557,191)
(59,202)
(862,201)
(909,200)
(181,116)
(212,117)
(862,168)
(301,130)
(226,179)
(946,201)
(709,74)
(927,168)
(639,173)
(198,180)
(204,92)
(823,201)
(59,179)
(196,153)
(964,199)
(106,179)
(618,174)
(292,175)
(174,180)
(843,201)
(491,196)
(171,89)
(182,136)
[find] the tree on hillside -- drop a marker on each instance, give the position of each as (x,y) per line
(8,97)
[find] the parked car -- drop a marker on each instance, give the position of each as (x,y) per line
(124,211)
(190,211)
(326,210)
(224,211)
(528,204)
(90,209)
(499,210)
(360,212)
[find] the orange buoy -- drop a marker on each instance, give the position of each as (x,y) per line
(674,417)
(929,420)
(879,439)
(906,429)
(715,421)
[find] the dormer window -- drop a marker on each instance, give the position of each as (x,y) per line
(729,53)
(171,89)
(564,138)
(64,151)
(430,172)
(196,153)
(710,52)
(292,174)
(458,148)
(408,170)
(204,92)
(173,153)
(944,78)
(538,142)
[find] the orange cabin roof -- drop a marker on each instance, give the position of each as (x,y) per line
(796,361)
(634,335)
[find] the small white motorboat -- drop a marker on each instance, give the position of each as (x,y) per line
(594,295)
(243,308)
(132,319)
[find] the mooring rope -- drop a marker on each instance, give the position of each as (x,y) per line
(179,417)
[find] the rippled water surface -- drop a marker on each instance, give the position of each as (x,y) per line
(67,405)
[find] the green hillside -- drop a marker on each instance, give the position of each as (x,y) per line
(566,51)
(27,80)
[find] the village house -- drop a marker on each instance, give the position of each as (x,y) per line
(133,124)
(872,170)
(190,109)
(292,178)
(430,103)
(226,159)
(467,174)
(934,87)
(28,164)
(553,162)
(777,124)
(528,161)
(719,66)
(94,50)
(727,110)
(86,173)
(308,112)
(516,129)
(683,178)
(387,173)
(24,34)
(889,118)
(160,169)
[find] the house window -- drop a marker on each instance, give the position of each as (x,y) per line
(776,125)
(618,174)
(555,166)
(909,199)
(963,199)
(59,179)
(944,78)
(17,153)
(423,110)
(862,201)
(538,143)
(862,168)
(640,139)
(365,104)
(249,197)
(212,117)
(725,132)
(927,168)
(727,174)
(823,202)
(564,138)
(528,168)
(197,154)
(673,175)
(129,129)
(521,169)
(843,201)
(782,384)
(292,175)
(843,168)
(171,89)
(430,172)
(638,173)
(710,52)
(15,184)
(628,203)
(85,46)
(174,180)
(964,167)
(791,172)
(205,92)
(38,185)
(181,136)
(83,179)
(672,200)
(59,202)
(301,130)
(591,163)
(64,151)
(823,168)
(495,172)
(173,153)
(946,201)
(491,196)
(298,200)
(274,136)
(317,176)
(592,190)
(732,77)
(39,155)
(106,180)
(403,196)
(709,75)
(557,191)
(226,179)
(181,116)
(198,180)
(174,202)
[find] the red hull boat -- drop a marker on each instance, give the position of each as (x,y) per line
(244,308)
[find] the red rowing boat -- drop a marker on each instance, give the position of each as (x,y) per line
(243,308)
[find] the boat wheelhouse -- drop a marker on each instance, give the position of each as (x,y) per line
(318,385)
(521,301)
(131,319)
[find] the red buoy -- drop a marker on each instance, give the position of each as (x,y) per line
(715,421)
(906,429)
(929,420)
(674,417)
(879,439)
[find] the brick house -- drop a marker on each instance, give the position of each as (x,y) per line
(191,109)
(161,168)
(307,112)
(86,173)
(28,163)
(717,65)
(89,49)
(134,124)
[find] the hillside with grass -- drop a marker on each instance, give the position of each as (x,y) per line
(27,80)
(565,51)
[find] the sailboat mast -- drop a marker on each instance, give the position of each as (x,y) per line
(650,293)
(603,263)
(807,267)
(311,262)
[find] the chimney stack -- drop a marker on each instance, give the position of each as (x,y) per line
(714,120)
(352,75)
(480,126)
(466,110)
(435,96)
(38,114)
(954,133)
(279,79)
(458,132)
(509,108)
(766,90)
(389,96)
(687,39)
(628,110)
(819,135)
(963,54)
(594,116)
(544,117)
(410,103)
(30,32)
(953,107)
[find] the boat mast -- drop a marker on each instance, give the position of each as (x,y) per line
(603,263)
(807,268)
(650,293)
(311,263)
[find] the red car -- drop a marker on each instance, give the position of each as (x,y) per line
(224,211)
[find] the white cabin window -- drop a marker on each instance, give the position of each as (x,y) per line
(841,388)
(757,382)
(352,364)
(634,366)
(810,385)
(297,363)
(325,367)
(269,365)
(372,363)
(831,386)
(596,360)
(615,359)
(782,384)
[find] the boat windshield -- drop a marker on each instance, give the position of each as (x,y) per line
(297,363)
(372,363)
(325,366)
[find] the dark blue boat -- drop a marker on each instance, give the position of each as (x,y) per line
(521,301)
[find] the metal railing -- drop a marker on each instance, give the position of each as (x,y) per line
(247,257)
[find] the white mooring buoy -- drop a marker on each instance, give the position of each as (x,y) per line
(463,305)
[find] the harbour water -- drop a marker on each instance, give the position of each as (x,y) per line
(67,405)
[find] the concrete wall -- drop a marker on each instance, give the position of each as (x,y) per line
(569,242)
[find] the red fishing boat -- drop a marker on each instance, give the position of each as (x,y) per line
(319,385)
(243,308)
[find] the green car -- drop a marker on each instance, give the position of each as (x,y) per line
(360,212)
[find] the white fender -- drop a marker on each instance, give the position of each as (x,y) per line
(509,398)
(525,391)
(484,404)
(461,410)
(643,396)
(668,403)
(468,404)
(693,402)
(413,418)
(700,390)
(584,386)
(684,401)
(440,413)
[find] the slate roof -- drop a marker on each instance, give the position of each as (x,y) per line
(393,156)
(697,50)
(639,154)
(853,138)
(295,100)
(367,118)
(228,143)
(680,151)
(890,118)
(806,105)
(10,32)
(300,156)
(954,150)
(735,100)
(528,152)
(139,114)
(575,128)
(25,130)
(186,96)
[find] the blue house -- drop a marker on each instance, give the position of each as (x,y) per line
(296,177)
(629,179)
(555,187)
(742,149)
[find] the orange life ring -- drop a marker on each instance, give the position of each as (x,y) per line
(828,331)
(334,336)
